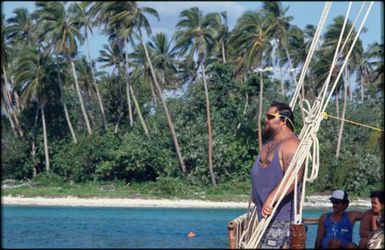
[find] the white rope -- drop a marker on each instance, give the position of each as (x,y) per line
(317,34)
(308,138)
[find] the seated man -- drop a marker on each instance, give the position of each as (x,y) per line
(371,218)
(335,230)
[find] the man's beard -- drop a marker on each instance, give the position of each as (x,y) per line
(267,134)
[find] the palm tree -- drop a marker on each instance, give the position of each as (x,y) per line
(141,67)
(376,65)
(140,21)
(219,22)
(164,59)
(31,76)
(196,35)
(62,30)
(5,95)
(277,14)
(19,32)
(81,11)
(331,38)
(20,28)
(252,36)
(59,66)
(112,56)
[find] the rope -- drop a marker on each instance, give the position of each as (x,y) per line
(308,136)
(326,116)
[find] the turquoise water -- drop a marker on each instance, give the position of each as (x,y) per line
(90,227)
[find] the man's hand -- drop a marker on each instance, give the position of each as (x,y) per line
(267,208)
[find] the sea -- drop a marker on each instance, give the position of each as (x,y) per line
(105,227)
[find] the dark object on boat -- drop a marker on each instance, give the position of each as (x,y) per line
(297,236)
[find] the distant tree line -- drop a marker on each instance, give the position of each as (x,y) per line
(61,114)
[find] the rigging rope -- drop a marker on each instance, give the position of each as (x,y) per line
(326,116)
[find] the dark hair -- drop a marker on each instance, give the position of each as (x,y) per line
(286,113)
(379,195)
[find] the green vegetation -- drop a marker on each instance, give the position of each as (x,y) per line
(73,129)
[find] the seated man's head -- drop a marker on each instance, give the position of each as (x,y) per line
(377,199)
(340,200)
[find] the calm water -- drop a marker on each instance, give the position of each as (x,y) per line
(85,227)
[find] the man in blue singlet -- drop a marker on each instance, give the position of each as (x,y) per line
(335,230)
(268,171)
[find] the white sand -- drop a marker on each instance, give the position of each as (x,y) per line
(311,202)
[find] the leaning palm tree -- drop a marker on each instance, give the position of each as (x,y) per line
(31,76)
(117,21)
(252,36)
(6,104)
(140,21)
(111,56)
(164,61)
(195,35)
(82,12)
(61,29)
(141,67)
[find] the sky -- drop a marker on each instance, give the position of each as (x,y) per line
(303,13)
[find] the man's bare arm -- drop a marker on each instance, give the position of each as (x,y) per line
(287,159)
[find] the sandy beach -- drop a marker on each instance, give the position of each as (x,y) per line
(310,202)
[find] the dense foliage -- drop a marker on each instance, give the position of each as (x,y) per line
(36,130)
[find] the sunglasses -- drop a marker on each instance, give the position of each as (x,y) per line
(272,116)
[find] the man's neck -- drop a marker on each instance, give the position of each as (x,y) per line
(282,135)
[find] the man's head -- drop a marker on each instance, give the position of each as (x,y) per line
(278,115)
(377,199)
(339,199)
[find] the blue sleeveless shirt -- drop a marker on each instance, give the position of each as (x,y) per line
(342,230)
(263,181)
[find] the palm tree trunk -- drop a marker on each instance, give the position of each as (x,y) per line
(209,130)
(346,82)
(66,111)
(244,110)
(69,123)
(80,98)
(362,88)
(139,111)
(169,121)
(10,109)
(153,94)
(223,52)
(33,150)
(282,83)
(260,112)
(6,108)
(295,82)
(94,83)
(337,103)
(45,140)
(19,106)
(128,92)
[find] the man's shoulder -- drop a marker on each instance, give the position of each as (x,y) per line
(290,144)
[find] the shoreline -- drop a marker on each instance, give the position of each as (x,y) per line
(316,201)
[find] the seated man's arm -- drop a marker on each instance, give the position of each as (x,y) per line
(320,232)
